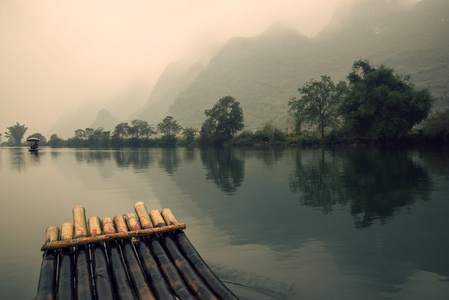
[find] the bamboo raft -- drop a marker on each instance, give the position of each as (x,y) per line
(133,256)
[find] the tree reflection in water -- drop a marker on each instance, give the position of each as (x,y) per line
(376,184)
(316,177)
(224,168)
(169,160)
(139,158)
(17,160)
(92,156)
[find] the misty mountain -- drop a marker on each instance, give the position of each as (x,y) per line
(106,120)
(176,77)
(94,114)
(265,71)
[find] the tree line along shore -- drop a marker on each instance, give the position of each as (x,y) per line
(374,106)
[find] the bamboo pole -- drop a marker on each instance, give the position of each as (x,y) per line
(100,267)
(83,277)
(94,226)
(169,217)
(79,221)
(169,270)
(148,263)
(131,222)
(47,279)
(119,277)
(143,216)
(200,266)
(193,280)
(108,237)
(156,218)
(107,225)
(135,272)
(65,273)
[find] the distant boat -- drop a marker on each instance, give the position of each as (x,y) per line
(33,147)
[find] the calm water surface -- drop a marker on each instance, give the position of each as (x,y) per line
(346,223)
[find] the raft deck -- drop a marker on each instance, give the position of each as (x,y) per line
(133,256)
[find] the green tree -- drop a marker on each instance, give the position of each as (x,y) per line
(80,134)
(436,127)
(381,104)
(121,130)
(169,126)
(189,135)
(89,133)
(140,129)
(97,137)
(222,122)
(55,141)
(120,133)
(42,139)
(15,133)
(318,104)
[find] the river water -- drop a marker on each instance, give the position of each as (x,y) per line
(343,223)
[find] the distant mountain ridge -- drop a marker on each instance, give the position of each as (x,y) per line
(265,71)
(175,78)
(106,120)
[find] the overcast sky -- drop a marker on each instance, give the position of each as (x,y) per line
(57,54)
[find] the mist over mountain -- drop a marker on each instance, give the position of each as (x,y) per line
(175,78)
(265,71)
(104,114)
(106,120)
(257,71)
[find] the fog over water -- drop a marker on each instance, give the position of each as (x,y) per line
(56,55)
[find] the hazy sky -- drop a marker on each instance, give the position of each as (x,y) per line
(57,54)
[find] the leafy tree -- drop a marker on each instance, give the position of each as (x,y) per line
(55,141)
(169,126)
(15,133)
(104,139)
(189,135)
(436,127)
(80,134)
(318,103)
(381,104)
(140,129)
(222,122)
(120,133)
(89,133)
(97,137)
(121,130)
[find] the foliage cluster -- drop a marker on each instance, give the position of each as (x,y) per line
(436,127)
(15,134)
(378,105)
(318,104)
(223,120)
(381,104)
(268,135)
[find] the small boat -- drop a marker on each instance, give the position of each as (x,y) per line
(33,147)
